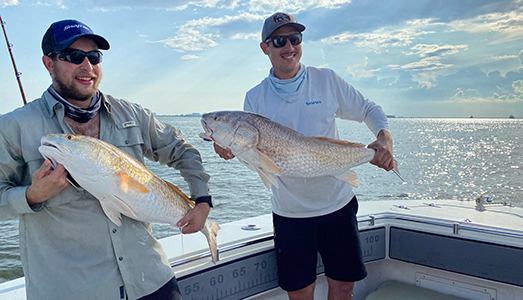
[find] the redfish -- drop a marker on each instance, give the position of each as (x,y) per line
(272,149)
(123,185)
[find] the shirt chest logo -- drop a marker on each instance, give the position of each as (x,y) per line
(309,103)
(129,124)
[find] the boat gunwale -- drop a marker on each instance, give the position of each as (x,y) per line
(371,219)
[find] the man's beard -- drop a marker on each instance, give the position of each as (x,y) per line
(71,92)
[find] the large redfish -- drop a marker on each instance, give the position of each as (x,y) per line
(122,184)
(272,149)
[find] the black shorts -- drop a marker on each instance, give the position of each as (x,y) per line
(335,236)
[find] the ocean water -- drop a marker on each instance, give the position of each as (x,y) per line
(457,159)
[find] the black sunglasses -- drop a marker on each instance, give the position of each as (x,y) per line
(76,56)
(281,41)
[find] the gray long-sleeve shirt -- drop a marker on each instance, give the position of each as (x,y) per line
(69,248)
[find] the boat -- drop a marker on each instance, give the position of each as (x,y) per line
(413,249)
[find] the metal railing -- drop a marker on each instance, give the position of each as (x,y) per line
(456,226)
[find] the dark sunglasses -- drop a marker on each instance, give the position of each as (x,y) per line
(281,41)
(76,56)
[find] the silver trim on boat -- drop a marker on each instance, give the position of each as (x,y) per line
(456,226)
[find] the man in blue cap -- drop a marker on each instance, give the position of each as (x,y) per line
(68,247)
(319,214)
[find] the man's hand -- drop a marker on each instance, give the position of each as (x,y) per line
(224,153)
(383,147)
(195,219)
(46,183)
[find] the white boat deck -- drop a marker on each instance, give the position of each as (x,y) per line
(246,269)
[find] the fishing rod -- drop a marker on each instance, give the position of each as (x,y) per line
(17,74)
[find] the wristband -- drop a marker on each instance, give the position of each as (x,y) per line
(203,199)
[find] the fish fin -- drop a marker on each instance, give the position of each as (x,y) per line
(179,192)
(113,215)
(246,163)
(268,179)
(266,170)
(128,183)
(261,163)
(210,230)
(396,170)
(349,177)
(267,164)
(124,207)
(339,142)
(113,210)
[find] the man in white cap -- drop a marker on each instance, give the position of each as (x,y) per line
(317,215)
(68,247)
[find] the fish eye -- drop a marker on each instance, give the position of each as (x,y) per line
(69,137)
(215,118)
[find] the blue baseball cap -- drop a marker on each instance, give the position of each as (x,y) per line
(278,20)
(62,34)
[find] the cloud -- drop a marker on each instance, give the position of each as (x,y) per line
(359,71)
(427,70)
(293,7)
(246,36)
(426,64)
(383,37)
(505,25)
(257,6)
(503,57)
(407,59)
(114,5)
(382,40)
(190,40)
(9,2)
(164,4)
(472,85)
(518,86)
(494,98)
(189,56)
(424,50)
(201,34)
(493,22)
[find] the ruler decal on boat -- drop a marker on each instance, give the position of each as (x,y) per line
(257,273)
(235,280)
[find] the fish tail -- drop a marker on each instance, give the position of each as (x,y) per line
(396,170)
(210,230)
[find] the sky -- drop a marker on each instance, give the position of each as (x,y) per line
(415,58)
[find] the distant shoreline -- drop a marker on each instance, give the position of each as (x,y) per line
(388,116)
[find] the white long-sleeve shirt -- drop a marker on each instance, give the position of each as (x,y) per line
(323,94)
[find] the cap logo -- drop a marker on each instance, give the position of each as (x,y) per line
(76,26)
(278,18)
